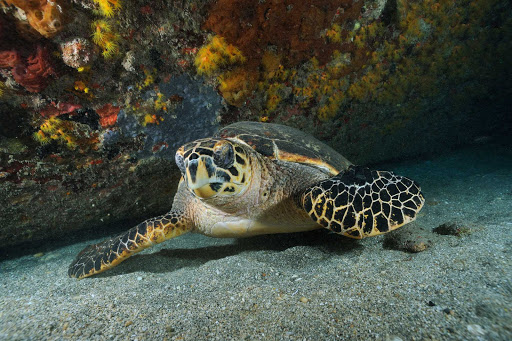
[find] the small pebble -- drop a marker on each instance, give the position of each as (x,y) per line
(296,278)
(417,247)
(393,338)
(475,329)
(431,304)
(448,311)
(452,229)
(304,299)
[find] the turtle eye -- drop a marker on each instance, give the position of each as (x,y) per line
(224,156)
(180,162)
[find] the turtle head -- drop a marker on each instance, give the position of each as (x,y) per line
(214,168)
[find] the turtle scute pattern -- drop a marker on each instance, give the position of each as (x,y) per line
(360,202)
(99,257)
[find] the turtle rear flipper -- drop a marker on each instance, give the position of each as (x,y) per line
(360,202)
(107,254)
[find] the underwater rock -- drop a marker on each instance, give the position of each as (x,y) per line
(132,175)
(409,239)
(55,198)
(194,116)
(452,229)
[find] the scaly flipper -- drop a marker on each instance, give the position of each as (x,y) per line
(107,254)
(360,202)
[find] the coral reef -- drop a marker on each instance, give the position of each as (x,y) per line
(85,129)
(46,17)
(108,7)
(71,134)
(348,71)
(432,56)
(56,109)
(108,115)
(254,26)
(272,28)
(9,59)
(391,54)
(236,85)
(104,36)
(217,53)
(34,73)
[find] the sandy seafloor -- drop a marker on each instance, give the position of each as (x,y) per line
(305,286)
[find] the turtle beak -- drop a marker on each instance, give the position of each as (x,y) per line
(204,192)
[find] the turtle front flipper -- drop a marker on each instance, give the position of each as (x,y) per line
(107,254)
(360,202)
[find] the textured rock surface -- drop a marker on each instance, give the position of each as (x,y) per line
(112,88)
(132,178)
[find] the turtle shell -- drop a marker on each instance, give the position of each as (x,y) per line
(280,142)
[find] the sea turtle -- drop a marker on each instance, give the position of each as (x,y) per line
(261,178)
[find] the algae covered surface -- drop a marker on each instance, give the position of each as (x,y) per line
(303,286)
(88,86)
